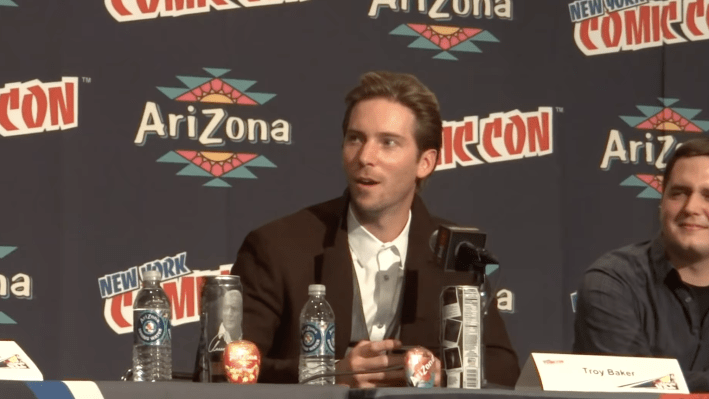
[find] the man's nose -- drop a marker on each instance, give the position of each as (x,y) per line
(693,204)
(367,153)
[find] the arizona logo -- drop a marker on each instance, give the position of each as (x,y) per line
(4,251)
(18,286)
(34,107)
(505,301)
(217,165)
(182,286)
(443,10)
(217,127)
(444,38)
(214,89)
(135,10)
(609,26)
(654,145)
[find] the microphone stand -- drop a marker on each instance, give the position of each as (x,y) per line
(471,258)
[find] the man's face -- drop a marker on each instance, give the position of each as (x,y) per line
(381,158)
(231,310)
(684,210)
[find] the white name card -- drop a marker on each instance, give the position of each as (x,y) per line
(15,364)
(591,373)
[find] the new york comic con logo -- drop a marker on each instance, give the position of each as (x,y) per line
(499,137)
(654,141)
(213,127)
(608,26)
(445,39)
(182,286)
(36,107)
(666,382)
(19,286)
(135,10)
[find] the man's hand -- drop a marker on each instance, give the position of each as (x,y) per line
(367,356)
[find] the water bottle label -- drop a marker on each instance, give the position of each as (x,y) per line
(330,339)
(317,339)
(152,327)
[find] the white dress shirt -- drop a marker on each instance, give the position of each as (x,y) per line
(380,272)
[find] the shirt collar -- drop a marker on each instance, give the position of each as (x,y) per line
(366,246)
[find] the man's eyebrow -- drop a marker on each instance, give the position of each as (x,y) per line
(390,134)
(378,134)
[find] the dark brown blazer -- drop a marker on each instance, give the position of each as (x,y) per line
(278,261)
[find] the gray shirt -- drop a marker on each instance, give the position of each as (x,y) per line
(633,302)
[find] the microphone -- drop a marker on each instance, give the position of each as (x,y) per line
(461,249)
(468,254)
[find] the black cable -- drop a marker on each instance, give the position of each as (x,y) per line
(485,258)
(338,373)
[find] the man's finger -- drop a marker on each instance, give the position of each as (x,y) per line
(375,348)
(378,362)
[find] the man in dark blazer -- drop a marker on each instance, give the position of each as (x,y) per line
(392,138)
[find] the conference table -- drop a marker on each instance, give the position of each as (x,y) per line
(193,390)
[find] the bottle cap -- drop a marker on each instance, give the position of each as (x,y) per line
(152,275)
(316,289)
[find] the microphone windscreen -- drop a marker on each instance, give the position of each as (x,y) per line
(448,240)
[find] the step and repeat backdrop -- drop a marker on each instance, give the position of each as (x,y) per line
(141,133)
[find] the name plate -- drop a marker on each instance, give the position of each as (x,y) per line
(591,373)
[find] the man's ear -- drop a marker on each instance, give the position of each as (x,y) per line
(427,163)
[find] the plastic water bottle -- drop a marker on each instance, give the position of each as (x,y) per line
(317,338)
(152,340)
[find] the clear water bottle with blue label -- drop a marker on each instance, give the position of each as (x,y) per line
(152,340)
(317,338)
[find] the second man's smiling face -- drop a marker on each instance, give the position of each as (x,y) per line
(684,209)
